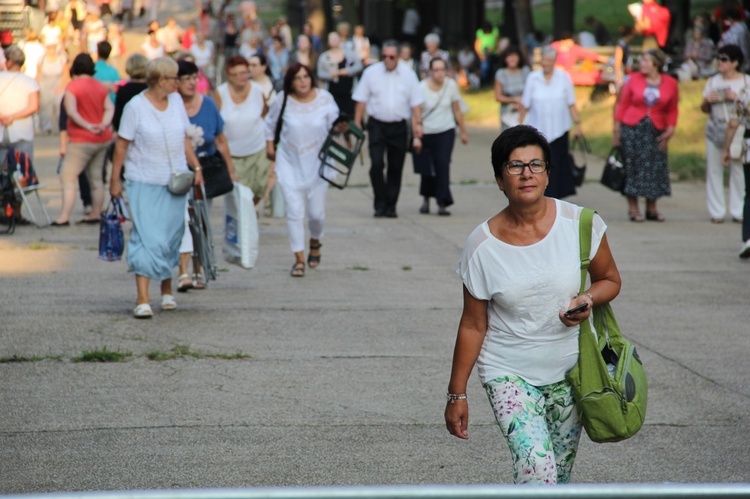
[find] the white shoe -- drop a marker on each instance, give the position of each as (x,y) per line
(143,311)
(745,251)
(168,302)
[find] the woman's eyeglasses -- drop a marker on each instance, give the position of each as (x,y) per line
(517,167)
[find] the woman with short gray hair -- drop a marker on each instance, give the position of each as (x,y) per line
(432,50)
(152,142)
(550,103)
(19,100)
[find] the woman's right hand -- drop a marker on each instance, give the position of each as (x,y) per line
(115,189)
(270,152)
(615,139)
(457,418)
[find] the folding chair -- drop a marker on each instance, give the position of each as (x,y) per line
(26,182)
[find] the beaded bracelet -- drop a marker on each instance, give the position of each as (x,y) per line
(589,295)
(452,397)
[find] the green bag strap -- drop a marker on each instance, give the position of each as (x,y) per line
(584,238)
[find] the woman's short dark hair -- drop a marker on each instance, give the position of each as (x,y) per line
(514,138)
(512,49)
(263,62)
(734,53)
(291,73)
(186,68)
(437,59)
(83,64)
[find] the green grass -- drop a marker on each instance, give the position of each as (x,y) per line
(34,358)
(102,355)
(360,267)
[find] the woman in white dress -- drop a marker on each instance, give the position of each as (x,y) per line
(299,121)
(52,75)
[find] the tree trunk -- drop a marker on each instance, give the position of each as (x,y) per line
(510,28)
(524,22)
(678,23)
(563,13)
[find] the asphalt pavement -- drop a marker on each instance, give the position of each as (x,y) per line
(343,373)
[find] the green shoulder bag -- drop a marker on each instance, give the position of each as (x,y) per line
(609,382)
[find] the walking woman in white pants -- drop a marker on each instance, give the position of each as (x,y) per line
(720,96)
(299,121)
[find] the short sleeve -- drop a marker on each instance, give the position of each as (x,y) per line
(129,120)
(598,229)
(527,91)
(273,116)
(470,268)
(569,89)
(215,116)
(363,90)
(454,95)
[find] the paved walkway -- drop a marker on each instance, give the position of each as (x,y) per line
(348,367)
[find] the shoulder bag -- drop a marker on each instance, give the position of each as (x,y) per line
(609,382)
(613,175)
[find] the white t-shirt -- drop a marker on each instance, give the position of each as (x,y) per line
(202,55)
(152,53)
(149,131)
(15,91)
(34,52)
(440,119)
(526,287)
(548,104)
(51,34)
(243,124)
(722,112)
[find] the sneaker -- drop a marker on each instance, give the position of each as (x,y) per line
(745,251)
(168,302)
(87,209)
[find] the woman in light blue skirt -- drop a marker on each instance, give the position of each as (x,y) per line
(152,143)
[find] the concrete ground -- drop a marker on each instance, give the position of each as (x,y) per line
(348,367)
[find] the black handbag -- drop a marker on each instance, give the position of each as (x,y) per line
(578,151)
(613,175)
(216,176)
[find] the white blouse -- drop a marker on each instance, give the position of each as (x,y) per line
(548,103)
(304,129)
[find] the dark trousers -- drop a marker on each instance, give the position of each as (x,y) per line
(386,140)
(561,183)
(433,164)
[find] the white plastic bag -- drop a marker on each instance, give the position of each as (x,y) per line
(240,227)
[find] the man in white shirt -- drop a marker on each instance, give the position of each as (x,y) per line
(390,94)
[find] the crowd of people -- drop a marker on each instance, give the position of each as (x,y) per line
(404,94)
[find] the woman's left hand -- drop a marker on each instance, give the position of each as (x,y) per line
(664,138)
(464,137)
(199,178)
(578,317)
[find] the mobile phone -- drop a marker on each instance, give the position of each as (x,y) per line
(579,308)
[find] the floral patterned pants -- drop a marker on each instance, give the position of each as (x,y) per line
(541,426)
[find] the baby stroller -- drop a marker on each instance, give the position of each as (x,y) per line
(339,152)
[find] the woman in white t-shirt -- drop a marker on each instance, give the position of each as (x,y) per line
(242,106)
(441,112)
(521,273)
(152,142)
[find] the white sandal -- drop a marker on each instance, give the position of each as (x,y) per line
(168,302)
(199,282)
(184,283)
(143,311)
